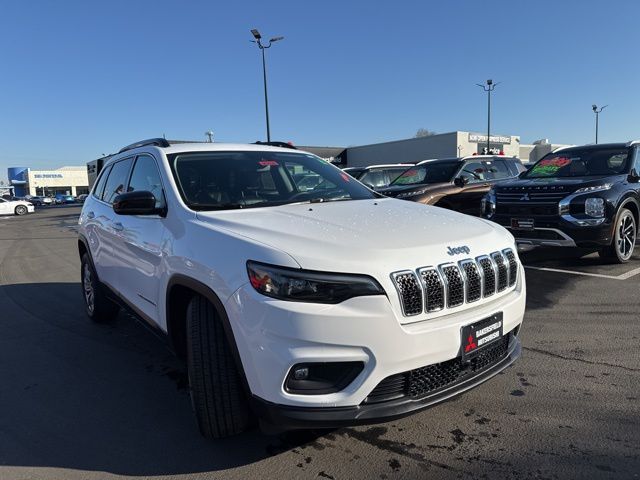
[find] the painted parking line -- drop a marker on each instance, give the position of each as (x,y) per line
(623,276)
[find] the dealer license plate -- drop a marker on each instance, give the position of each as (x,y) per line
(522,223)
(479,335)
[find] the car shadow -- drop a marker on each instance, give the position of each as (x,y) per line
(102,397)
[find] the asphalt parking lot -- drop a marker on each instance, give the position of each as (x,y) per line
(84,401)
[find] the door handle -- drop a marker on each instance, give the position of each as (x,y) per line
(118,227)
(91,215)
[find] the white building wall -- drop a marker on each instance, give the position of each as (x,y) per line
(72,177)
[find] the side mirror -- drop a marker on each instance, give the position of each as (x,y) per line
(460,181)
(135,203)
(634,177)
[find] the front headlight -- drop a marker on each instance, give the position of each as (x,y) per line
(306,286)
(594,207)
(412,193)
(597,188)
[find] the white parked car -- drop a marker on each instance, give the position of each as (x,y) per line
(15,207)
(307,308)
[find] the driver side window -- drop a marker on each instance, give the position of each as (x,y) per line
(474,172)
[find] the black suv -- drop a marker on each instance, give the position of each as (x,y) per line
(585,196)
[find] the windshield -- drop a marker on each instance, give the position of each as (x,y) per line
(228,180)
(434,172)
(581,163)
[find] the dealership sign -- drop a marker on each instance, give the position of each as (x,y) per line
(479,138)
(54,175)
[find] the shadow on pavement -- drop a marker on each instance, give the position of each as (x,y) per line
(112,398)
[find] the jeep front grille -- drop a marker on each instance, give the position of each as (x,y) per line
(451,285)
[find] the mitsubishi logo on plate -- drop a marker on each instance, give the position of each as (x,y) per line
(525,198)
(458,250)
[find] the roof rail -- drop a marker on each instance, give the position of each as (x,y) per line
(633,142)
(158,142)
(276,144)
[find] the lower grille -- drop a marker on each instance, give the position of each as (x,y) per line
(428,380)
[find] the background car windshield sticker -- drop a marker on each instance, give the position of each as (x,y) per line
(345,177)
(409,176)
(550,166)
(268,163)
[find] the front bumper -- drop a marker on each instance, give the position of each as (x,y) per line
(290,418)
(31,208)
(274,335)
(557,232)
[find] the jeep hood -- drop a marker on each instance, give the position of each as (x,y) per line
(352,236)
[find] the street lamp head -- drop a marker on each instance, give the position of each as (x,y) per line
(276,39)
(256,34)
(489,82)
(595,107)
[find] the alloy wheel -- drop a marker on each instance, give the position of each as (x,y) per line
(87,286)
(626,236)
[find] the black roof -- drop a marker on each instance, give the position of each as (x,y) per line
(597,146)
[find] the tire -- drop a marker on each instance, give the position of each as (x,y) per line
(20,210)
(217,393)
(97,306)
(624,238)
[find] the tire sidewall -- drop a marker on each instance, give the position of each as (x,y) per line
(20,210)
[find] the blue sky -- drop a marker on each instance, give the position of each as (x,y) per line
(84,78)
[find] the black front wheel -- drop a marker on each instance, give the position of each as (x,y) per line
(217,392)
(624,238)
(98,307)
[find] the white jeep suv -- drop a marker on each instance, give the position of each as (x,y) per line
(317,308)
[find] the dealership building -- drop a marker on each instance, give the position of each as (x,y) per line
(65,180)
(444,145)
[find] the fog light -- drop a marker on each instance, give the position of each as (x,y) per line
(321,378)
(594,207)
(301,373)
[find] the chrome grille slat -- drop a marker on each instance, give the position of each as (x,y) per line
(488,275)
(473,280)
(503,272)
(454,285)
(512,264)
(451,285)
(434,289)
(410,292)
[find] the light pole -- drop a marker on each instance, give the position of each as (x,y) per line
(489,87)
(597,111)
(209,135)
(258,41)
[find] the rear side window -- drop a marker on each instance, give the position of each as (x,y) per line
(497,170)
(99,187)
(117,180)
(145,177)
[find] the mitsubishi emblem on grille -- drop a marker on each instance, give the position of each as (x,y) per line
(525,198)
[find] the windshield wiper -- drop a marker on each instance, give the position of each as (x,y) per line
(216,206)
